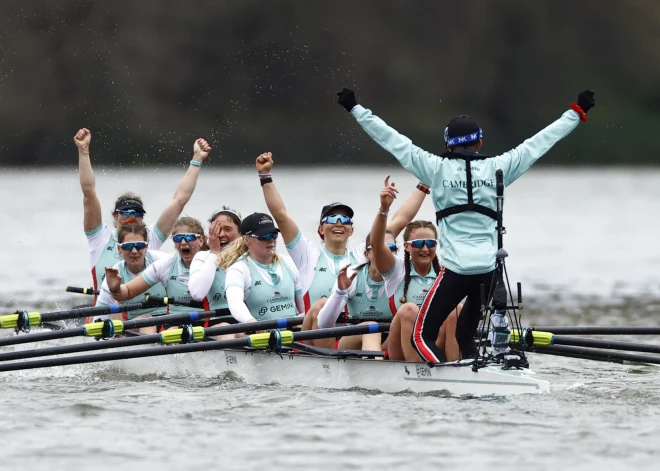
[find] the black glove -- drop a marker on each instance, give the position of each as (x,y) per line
(346,98)
(586,100)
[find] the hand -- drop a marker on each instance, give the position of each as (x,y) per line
(387,195)
(264,163)
(113,278)
(343,280)
(82,139)
(201,150)
(586,100)
(346,98)
(214,237)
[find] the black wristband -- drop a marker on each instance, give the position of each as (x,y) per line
(266,180)
(423,188)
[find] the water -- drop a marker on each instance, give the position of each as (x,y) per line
(583,242)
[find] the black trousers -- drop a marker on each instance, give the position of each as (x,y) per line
(443,297)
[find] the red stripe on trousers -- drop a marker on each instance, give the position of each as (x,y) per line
(423,350)
(306,301)
(392,306)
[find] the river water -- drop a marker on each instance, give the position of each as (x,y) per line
(582,241)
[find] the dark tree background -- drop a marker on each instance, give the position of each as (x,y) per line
(150,76)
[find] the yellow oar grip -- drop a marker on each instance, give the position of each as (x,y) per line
(174,335)
(539,338)
(95,329)
(261,340)
(10,321)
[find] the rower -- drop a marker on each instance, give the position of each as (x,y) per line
(319,267)
(464,195)
(129,208)
(260,284)
(172,272)
(132,246)
(408,281)
(362,290)
(207,279)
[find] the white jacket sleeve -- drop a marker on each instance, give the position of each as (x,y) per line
(237,306)
(202,274)
(331,309)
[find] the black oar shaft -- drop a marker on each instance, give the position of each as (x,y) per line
(134,324)
(607,344)
(594,330)
(143,339)
(90,291)
(187,348)
(88,346)
(593,354)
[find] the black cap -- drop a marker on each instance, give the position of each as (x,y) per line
(130,203)
(258,224)
(329,208)
(462,130)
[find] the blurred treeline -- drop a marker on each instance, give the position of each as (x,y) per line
(150,76)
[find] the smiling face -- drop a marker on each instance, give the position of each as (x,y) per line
(228,230)
(424,255)
(336,232)
(186,249)
(261,250)
(133,257)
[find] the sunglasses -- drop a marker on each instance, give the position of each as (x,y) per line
(390,245)
(130,212)
(129,246)
(269,236)
(333,218)
(188,236)
(419,243)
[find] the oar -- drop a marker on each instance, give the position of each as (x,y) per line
(167,337)
(285,337)
(90,291)
(590,330)
(23,320)
(593,354)
(596,330)
(541,339)
(109,328)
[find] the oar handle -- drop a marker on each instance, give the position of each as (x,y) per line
(90,291)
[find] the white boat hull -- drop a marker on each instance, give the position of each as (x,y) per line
(258,367)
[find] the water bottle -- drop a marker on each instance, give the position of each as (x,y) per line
(499,333)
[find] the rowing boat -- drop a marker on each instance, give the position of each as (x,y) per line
(260,367)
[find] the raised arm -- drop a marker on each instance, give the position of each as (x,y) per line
(337,300)
(420,163)
(517,161)
(122,292)
(408,210)
(383,259)
(285,223)
(92,217)
(185,189)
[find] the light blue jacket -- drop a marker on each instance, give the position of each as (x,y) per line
(468,240)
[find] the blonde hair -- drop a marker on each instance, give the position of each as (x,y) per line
(234,252)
